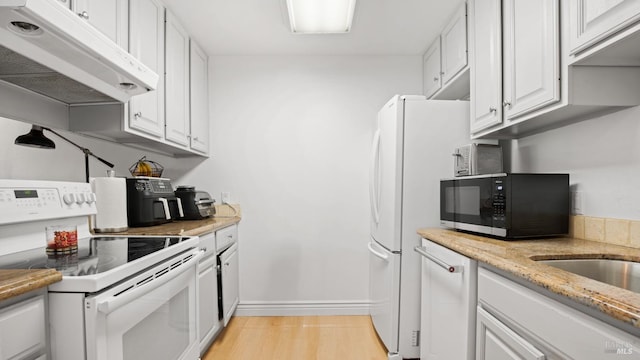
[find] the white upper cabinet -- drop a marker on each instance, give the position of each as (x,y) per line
(176,81)
(486,56)
(454,45)
(66,3)
(445,63)
(146,43)
(531,55)
(108,16)
(199,99)
(595,20)
(432,80)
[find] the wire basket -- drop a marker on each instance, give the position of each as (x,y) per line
(144,167)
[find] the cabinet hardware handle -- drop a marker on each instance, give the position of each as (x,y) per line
(492,109)
(506,103)
(441,72)
(195,138)
(138,114)
(204,248)
(226,264)
(450,268)
(435,78)
(84,15)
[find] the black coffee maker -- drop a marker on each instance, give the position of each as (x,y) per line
(151,201)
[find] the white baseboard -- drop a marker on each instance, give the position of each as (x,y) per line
(302,308)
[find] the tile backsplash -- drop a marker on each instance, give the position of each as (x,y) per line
(612,231)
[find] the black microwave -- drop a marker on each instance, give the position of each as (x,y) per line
(510,206)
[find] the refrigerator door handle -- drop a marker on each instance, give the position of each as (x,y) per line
(374,177)
(380,255)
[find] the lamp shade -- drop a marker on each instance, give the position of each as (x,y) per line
(35,138)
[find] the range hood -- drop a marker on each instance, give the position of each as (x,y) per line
(48,49)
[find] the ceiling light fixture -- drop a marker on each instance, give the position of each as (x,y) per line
(320,16)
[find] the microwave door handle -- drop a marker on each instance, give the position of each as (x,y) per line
(165,205)
(180,210)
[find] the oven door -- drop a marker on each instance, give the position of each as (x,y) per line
(151,316)
(467,204)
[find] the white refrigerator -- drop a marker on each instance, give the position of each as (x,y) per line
(412,150)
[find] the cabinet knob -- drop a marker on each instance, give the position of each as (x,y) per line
(506,103)
(226,264)
(492,109)
(84,15)
(441,72)
(138,114)
(435,78)
(195,138)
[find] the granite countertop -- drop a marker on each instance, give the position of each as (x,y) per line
(184,228)
(517,258)
(18,282)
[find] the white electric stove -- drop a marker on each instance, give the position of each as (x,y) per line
(121,297)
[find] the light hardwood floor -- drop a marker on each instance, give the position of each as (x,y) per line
(299,338)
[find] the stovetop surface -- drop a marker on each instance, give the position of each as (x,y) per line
(95,255)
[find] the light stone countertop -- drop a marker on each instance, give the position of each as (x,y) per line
(184,228)
(517,257)
(18,282)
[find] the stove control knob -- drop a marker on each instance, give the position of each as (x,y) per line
(79,198)
(69,199)
(90,198)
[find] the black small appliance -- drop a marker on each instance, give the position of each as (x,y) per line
(196,204)
(151,201)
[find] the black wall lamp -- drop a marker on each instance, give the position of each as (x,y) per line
(35,138)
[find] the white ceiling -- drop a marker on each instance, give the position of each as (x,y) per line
(252,27)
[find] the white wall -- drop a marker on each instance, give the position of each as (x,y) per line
(601,155)
(290,142)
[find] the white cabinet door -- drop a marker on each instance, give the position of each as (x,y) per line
(230,281)
(448,305)
(23,330)
(176,81)
(208,323)
(108,16)
(595,20)
(531,55)
(146,43)
(486,63)
(199,99)
(432,79)
(497,342)
(66,3)
(454,45)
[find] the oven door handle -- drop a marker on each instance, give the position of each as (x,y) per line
(114,302)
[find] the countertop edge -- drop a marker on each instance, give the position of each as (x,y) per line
(17,282)
(515,258)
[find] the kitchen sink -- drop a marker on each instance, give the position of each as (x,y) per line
(620,273)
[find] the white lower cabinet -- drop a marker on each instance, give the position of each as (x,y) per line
(208,319)
(448,308)
(516,322)
(230,269)
(23,330)
(497,342)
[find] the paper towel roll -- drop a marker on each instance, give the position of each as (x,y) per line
(111,204)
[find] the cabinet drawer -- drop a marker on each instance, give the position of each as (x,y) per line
(552,324)
(23,329)
(208,244)
(225,237)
